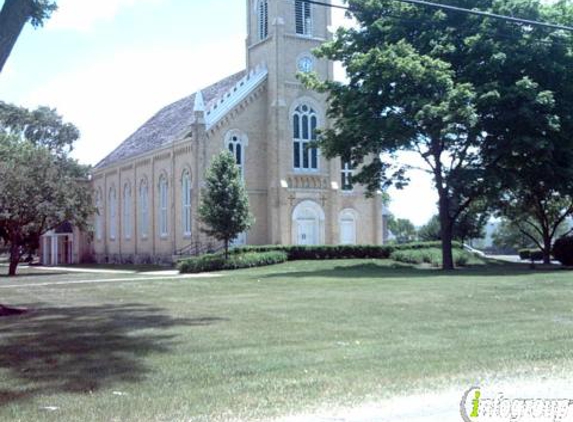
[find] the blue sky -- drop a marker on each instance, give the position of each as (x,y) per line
(109,65)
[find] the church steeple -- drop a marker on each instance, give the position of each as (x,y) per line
(300,26)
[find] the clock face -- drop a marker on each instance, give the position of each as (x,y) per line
(305,64)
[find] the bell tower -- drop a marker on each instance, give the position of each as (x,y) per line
(281,36)
(286,28)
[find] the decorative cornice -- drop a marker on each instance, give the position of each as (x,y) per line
(142,163)
(307,181)
(164,156)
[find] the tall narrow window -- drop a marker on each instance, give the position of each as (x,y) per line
(186,195)
(126,208)
(263,24)
(163,206)
(112,213)
(347,228)
(304,132)
(236,147)
(303,17)
(144,209)
(346,175)
(99,216)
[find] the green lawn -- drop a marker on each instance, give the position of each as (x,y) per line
(257,343)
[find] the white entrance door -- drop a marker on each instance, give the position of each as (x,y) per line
(307,232)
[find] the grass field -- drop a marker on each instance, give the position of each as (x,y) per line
(263,342)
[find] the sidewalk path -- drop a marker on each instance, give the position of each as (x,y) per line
(442,406)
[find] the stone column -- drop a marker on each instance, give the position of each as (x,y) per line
(54,250)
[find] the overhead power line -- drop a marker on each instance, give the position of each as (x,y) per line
(487,14)
(460,10)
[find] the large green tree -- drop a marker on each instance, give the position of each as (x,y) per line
(40,185)
(449,86)
(224,207)
(530,143)
(14,15)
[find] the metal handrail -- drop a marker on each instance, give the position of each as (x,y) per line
(198,248)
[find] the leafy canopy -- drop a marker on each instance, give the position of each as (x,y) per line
(41,187)
(42,127)
(462,91)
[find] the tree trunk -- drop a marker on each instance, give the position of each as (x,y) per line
(13,17)
(447,235)
(226,248)
(546,249)
(14,259)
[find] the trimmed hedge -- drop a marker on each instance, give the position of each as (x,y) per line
(563,250)
(433,256)
(325,252)
(257,256)
(217,262)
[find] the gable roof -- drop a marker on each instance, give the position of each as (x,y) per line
(170,124)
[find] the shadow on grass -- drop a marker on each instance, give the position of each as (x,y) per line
(82,349)
(384,269)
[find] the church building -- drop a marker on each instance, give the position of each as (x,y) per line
(148,189)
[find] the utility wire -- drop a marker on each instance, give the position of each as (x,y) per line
(487,14)
(459,10)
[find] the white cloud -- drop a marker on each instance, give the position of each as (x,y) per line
(109,99)
(81,15)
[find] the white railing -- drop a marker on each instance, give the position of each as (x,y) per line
(235,95)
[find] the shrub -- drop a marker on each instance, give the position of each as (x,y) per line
(563,250)
(433,256)
(524,254)
(341,251)
(216,262)
(536,255)
(296,253)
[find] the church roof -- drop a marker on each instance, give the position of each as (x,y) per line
(170,124)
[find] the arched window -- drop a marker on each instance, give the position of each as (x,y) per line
(186,196)
(99,216)
(126,208)
(144,209)
(304,131)
(112,213)
(303,17)
(346,175)
(347,224)
(163,229)
(235,145)
(263,19)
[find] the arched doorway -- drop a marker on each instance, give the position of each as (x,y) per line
(308,224)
